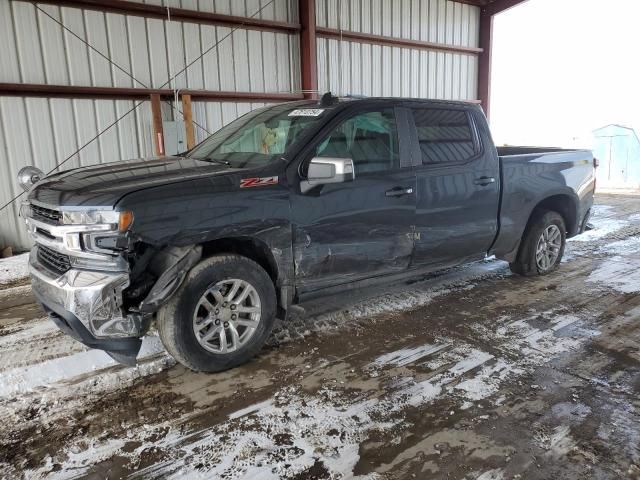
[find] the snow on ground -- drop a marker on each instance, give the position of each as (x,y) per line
(10,292)
(14,268)
(24,379)
(604,223)
(627,246)
(495,474)
(620,273)
(406,356)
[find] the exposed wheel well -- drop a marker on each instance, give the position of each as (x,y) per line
(564,205)
(251,248)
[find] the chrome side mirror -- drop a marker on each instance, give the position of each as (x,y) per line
(28,176)
(325,170)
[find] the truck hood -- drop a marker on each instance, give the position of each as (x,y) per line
(103,185)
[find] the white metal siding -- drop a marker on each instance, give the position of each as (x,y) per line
(439,21)
(351,67)
(38,50)
(356,68)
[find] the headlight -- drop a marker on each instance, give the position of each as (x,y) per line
(98,217)
(90,217)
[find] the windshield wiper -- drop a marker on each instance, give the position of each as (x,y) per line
(215,160)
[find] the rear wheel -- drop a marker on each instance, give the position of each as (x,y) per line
(221,315)
(542,245)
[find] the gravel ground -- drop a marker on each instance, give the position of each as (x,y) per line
(475,374)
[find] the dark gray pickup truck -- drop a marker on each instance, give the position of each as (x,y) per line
(289,202)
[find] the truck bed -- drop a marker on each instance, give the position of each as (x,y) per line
(513,150)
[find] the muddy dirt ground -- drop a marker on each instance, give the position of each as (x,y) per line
(475,374)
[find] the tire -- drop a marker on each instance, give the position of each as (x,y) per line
(528,263)
(186,312)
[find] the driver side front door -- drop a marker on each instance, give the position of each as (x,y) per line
(364,228)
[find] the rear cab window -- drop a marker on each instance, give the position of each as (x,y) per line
(444,135)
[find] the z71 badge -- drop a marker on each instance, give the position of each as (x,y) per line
(258,182)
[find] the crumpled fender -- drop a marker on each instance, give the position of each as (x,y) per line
(174,263)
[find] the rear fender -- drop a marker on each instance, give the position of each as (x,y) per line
(513,227)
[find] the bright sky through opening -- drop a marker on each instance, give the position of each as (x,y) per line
(562,68)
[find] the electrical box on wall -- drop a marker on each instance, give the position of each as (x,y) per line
(174,137)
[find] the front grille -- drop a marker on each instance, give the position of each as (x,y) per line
(46,214)
(53,261)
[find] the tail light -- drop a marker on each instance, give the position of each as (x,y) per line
(596,162)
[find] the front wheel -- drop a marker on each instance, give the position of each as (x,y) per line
(220,316)
(542,245)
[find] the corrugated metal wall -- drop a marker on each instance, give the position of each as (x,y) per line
(349,67)
(35,49)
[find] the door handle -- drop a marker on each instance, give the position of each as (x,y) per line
(484,181)
(399,192)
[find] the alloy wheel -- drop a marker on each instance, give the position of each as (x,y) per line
(226,316)
(548,248)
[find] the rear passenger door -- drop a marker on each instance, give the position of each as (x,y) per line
(457,186)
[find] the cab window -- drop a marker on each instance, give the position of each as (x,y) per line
(370,139)
(445,136)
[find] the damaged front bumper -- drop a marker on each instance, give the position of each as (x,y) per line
(87,305)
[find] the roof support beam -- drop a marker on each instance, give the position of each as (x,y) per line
(72,91)
(308,50)
(498,6)
(394,41)
(484,60)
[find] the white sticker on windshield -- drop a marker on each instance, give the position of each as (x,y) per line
(307,112)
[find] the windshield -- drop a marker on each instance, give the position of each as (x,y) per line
(259,137)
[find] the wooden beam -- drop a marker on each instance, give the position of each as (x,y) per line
(156,119)
(182,14)
(188,121)
(394,41)
(308,50)
(72,91)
